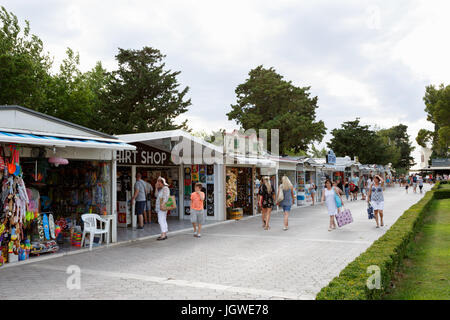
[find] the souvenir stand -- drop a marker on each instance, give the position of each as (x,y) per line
(183,160)
(246,162)
(51,171)
(243,178)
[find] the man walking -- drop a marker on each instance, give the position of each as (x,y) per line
(140,198)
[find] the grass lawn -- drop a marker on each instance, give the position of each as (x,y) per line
(426,270)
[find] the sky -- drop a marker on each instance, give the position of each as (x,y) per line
(366,59)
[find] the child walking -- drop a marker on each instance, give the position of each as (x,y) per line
(197,211)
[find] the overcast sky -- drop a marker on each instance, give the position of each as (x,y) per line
(367,59)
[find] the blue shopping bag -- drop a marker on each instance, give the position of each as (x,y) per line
(370,211)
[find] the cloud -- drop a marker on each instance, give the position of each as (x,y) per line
(367,59)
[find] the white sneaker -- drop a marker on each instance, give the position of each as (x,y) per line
(285,228)
(199,235)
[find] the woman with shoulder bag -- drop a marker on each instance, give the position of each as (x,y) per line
(329,199)
(162,194)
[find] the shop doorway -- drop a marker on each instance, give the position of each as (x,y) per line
(239,189)
(149,174)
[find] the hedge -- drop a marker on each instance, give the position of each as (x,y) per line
(387,253)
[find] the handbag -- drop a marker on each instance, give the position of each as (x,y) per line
(170,204)
(280,196)
(344,217)
(370,211)
(337,199)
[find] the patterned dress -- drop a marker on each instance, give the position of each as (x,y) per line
(267,198)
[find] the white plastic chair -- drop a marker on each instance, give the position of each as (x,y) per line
(90,226)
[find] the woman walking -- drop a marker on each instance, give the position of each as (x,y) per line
(266,200)
(313,190)
(329,198)
(377,199)
(162,194)
(288,198)
(346,188)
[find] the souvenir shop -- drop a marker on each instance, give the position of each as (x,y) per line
(49,179)
(242,183)
(153,158)
(151,163)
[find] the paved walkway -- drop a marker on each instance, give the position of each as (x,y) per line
(237,260)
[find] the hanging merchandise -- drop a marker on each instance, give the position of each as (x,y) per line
(2,161)
(58,161)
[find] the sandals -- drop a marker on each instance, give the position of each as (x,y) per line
(267,228)
(162,238)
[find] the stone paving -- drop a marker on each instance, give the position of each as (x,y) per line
(237,260)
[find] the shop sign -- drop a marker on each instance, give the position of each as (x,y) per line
(440,162)
(331,157)
(144,155)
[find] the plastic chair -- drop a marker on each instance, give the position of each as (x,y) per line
(90,226)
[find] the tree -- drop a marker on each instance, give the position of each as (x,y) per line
(316,153)
(358,140)
(437,106)
(24,66)
(141,96)
(398,137)
(424,137)
(73,95)
(266,101)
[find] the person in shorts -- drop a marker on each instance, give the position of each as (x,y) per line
(414,181)
(140,200)
(355,181)
(376,198)
(420,183)
(197,209)
(288,198)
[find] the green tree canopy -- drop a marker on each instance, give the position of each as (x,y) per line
(24,66)
(267,101)
(398,137)
(354,139)
(73,95)
(141,95)
(424,137)
(437,106)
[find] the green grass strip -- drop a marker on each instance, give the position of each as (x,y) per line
(426,270)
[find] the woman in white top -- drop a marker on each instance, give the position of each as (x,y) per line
(376,197)
(162,192)
(329,198)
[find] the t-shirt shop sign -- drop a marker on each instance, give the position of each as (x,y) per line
(144,155)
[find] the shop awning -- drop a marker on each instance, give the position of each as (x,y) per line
(259,162)
(47,140)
